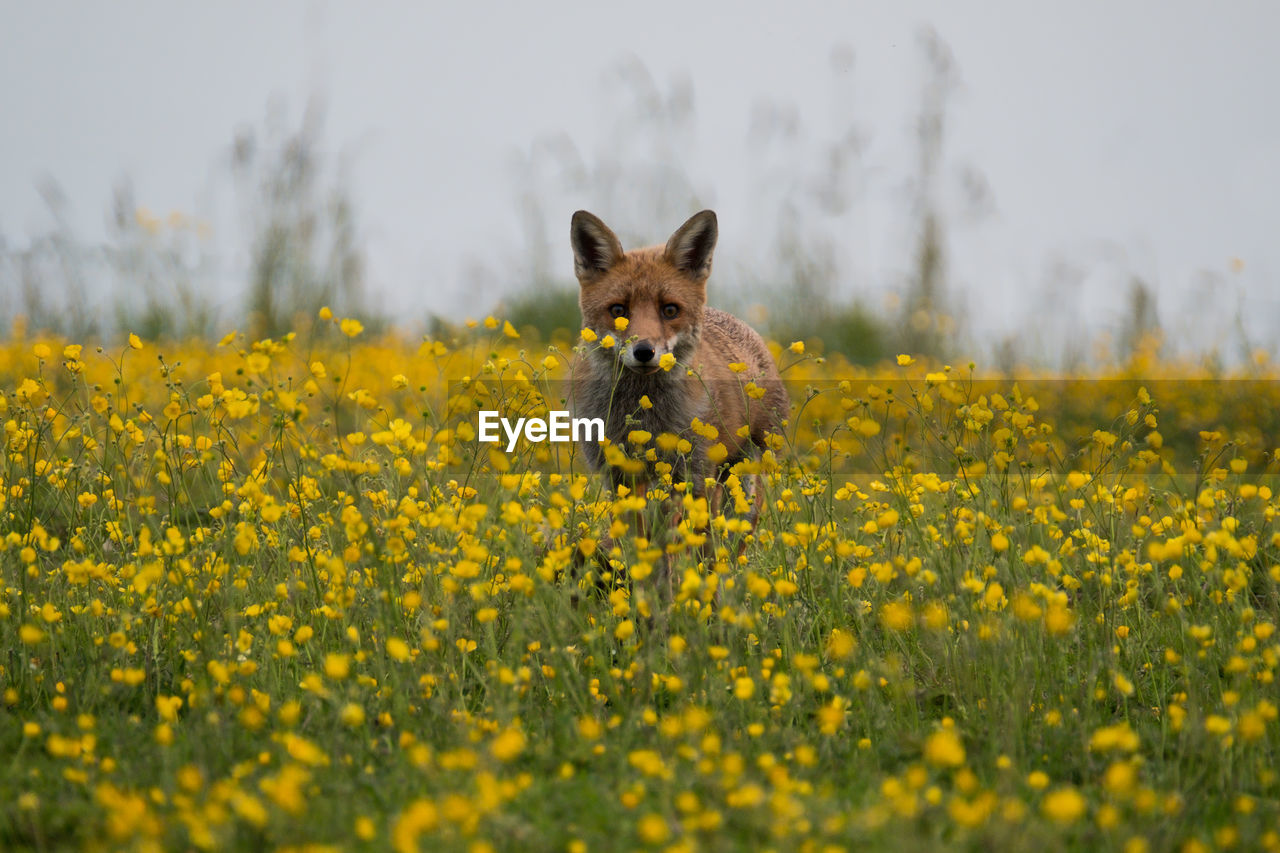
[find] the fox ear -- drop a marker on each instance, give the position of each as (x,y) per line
(595,247)
(689,249)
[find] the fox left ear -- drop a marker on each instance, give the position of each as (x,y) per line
(595,247)
(689,249)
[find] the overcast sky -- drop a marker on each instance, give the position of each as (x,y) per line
(1135,138)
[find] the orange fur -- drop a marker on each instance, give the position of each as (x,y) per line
(661,290)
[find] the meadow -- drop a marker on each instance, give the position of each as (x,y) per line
(273,594)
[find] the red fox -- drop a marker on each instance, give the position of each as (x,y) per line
(675,367)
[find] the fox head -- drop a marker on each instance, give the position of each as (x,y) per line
(661,290)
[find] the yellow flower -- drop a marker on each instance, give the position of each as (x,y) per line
(258,362)
(304,751)
(337,666)
(797,347)
(1252,725)
(944,748)
(397,649)
(653,828)
(1120,777)
(1058,619)
(420,818)
(1120,738)
(325,313)
(831,716)
(250,808)
(509,330)
(887,519)
(351,327)
(896,615)
(667,361)
(649,763)
(1216,724)
(352,715)
(1063,805)
(840,644)
(1123,684)
(134,341)
(868,427)
(588,335)
(167,707)
(507,745)
(1076,479)
(620,323)
(936,616)
(905,360)
(607,341)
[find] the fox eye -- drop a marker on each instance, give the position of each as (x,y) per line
(670,310)
(618,310)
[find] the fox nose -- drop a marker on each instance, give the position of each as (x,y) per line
(643,352)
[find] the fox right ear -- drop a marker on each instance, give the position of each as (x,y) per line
(690,248)
(595,247)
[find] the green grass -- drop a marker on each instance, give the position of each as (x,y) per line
(285,619)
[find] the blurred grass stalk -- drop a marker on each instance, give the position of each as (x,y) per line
(163,278)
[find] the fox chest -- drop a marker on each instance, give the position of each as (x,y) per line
(660,405)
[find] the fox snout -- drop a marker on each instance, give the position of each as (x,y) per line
(643,355)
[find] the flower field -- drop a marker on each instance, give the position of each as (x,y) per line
(275,594)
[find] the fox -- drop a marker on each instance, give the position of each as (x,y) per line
(677,366)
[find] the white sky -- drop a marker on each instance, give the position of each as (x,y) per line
(1136,137)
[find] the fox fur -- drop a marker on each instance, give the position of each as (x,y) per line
(662,293)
